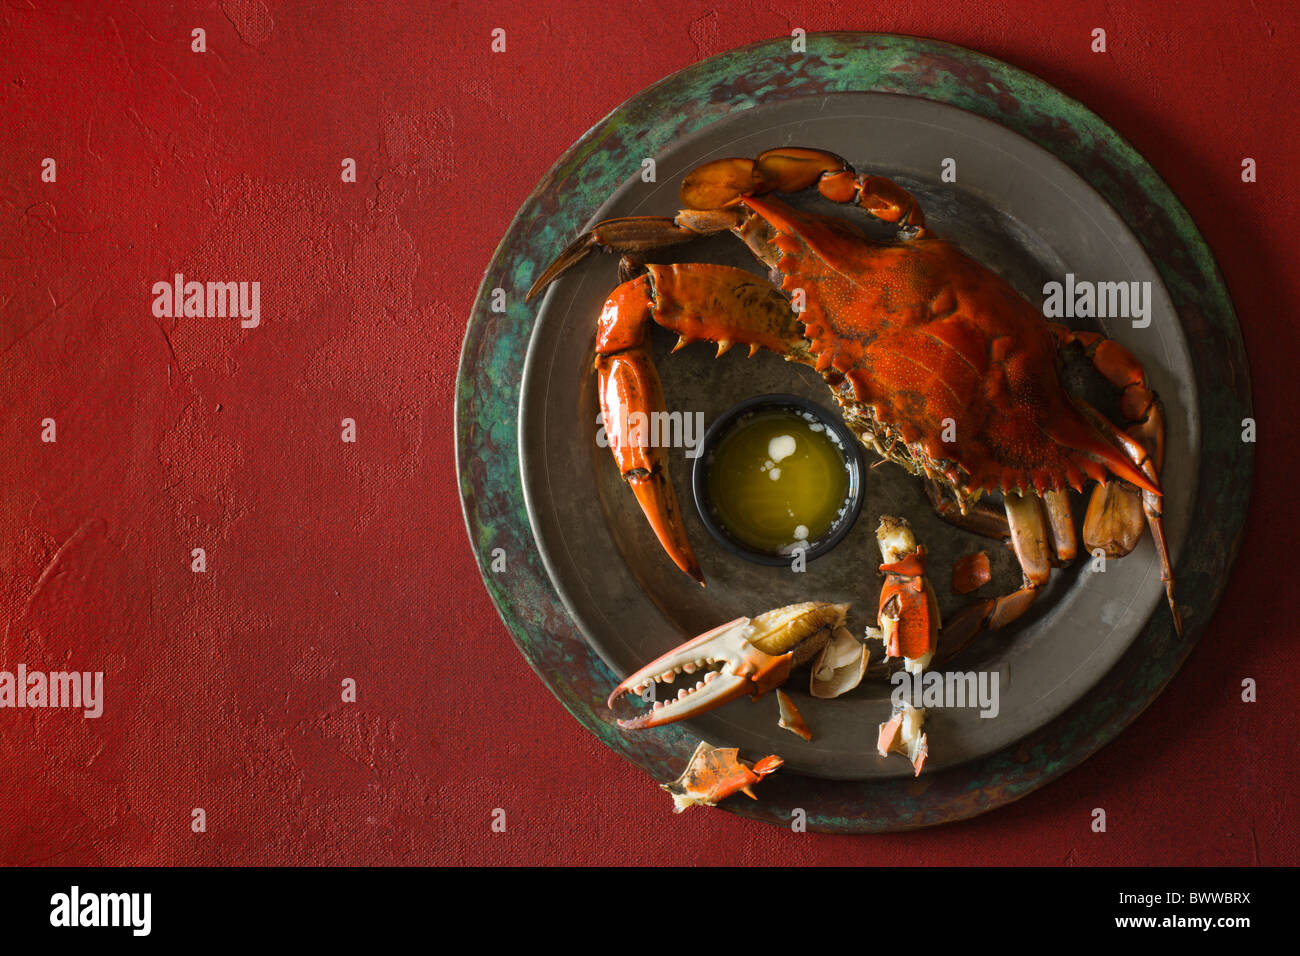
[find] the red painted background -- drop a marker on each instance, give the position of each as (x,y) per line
(329,560)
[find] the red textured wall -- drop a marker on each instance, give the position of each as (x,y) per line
(329,560)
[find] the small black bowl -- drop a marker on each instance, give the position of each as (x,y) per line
(836,430)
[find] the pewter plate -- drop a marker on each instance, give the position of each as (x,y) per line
(1016,208)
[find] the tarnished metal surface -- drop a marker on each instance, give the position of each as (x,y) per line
(688,102)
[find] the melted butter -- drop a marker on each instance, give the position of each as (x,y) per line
(777,481)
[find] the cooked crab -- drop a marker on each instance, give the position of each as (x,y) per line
(937,364)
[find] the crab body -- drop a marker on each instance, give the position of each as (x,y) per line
(933,355)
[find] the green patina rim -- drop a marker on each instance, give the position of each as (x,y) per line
(487,398)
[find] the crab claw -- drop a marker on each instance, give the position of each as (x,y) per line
(746,670)
(755,654)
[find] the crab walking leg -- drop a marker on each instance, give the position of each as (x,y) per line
(1151,503)
(712,193)
(1060,526)
(978,518)
(721,304)
(1115,515)
(1115,518)
(790,169)
(1029,536)
(880,198)
(639,234)
(1032,541)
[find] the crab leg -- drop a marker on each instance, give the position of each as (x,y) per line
(639,234)
(1115,518)
(1151,504)
(1116,513)
(1060,526)
(789,169)
(909,612)
(1029,536)
(1032,541)
(721,304)
(978,518)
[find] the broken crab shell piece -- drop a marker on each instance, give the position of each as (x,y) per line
(791,719)
(909,610)
(715,773)
(840,667)
(902,734)
(971,573)
(756,655)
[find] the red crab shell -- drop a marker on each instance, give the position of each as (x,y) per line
(934,344)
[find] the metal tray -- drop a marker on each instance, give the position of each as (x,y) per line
(1017,205)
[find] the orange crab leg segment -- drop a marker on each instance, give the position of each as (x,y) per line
(638,234)
(1115,514)
(905,617)
(909,611)
(1114,520)
(629,392)
(1151,504)
(722,183)
(720,304)
(1060,526)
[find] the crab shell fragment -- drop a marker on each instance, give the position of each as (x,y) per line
(902,734)
(791,719)
(840,667)
(971,573)
(715,773)
(909,610)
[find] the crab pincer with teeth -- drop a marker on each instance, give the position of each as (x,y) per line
(756,654)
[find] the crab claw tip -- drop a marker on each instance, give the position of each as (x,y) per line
(722,689)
